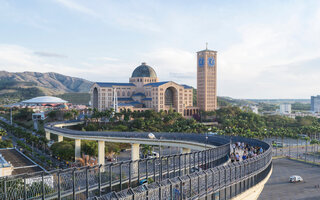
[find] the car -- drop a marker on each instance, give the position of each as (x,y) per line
(295,179)
(143,181)
(277,144)
(153,155)
(195,169)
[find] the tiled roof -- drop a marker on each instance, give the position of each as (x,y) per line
(187,87)
(125,99)
(102,84)
(134,103)
(156,84)
(139,94)
(147,99)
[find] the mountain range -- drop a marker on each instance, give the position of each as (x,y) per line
(16,86)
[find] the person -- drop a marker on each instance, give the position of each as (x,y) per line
(234,147)
(232,157)
(176,193)
(261,150)
(244,156)
(237,157)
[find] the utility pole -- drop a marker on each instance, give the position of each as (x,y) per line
(11,115)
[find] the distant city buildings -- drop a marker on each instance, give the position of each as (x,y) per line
(315,104)
(285,108)
(145,92)
(250,108)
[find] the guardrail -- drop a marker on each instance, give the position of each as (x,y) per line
(88,182)
(221,182)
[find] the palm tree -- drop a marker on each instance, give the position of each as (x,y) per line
(2,133)
(146,149)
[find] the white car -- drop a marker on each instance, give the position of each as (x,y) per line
(295,179)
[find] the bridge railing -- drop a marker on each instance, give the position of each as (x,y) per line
(221,182)
(86,182)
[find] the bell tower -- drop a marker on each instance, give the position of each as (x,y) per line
(207,80)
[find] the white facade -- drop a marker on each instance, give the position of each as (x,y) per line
(315,104)
(285,108)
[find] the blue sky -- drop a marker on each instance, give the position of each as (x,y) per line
(266,49)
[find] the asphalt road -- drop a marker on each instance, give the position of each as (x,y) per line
(278,186)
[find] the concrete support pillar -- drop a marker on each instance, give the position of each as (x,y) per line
(135,152)
(101,152)
(185,150)
(185,158)
(60,138)
(48,135)
(135,155)
(77,149)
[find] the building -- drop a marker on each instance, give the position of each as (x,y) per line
(144,92)
(315,104)
(13,162)
(285,108)
(207,80)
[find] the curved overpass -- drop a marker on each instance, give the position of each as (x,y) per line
(189,170)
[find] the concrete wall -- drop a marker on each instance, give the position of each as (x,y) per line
(254,192)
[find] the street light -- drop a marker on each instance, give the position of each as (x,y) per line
(209,130)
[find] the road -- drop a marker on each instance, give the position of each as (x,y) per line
(35,158)
(279,188)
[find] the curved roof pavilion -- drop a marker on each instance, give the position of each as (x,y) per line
(44,100)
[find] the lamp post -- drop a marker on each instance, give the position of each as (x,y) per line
(209,130)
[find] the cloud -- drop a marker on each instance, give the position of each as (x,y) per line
(77,7)
(105,58)
(173,64)
(48,54)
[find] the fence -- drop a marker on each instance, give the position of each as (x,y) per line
(221,182)
(295,148)
(86,182)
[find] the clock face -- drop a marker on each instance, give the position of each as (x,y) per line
(201,62)
(211,61)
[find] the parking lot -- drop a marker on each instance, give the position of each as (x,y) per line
(278,186)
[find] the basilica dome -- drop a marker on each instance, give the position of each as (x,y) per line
(144,70)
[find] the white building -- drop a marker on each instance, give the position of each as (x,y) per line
(285,108)
(315,104)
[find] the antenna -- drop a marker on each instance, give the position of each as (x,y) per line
(206,45)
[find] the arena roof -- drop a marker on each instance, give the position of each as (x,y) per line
(44,99)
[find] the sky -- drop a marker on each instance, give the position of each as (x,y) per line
(266,49)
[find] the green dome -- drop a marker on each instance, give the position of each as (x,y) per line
(144,70)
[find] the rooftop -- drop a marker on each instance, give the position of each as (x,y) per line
(108,84)
(156,84)
(44,99)
(144,70)
(20,162)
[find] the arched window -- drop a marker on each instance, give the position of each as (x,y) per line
(169,97)
(128,94)
(123,93)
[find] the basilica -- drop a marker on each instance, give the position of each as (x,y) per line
(144,92)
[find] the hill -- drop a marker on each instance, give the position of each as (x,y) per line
(23,85)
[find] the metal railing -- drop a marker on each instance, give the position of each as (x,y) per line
(87,182)
(221,182)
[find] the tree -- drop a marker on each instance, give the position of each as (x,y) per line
(2,133)
(64,150)
(67,115)
(146,150)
